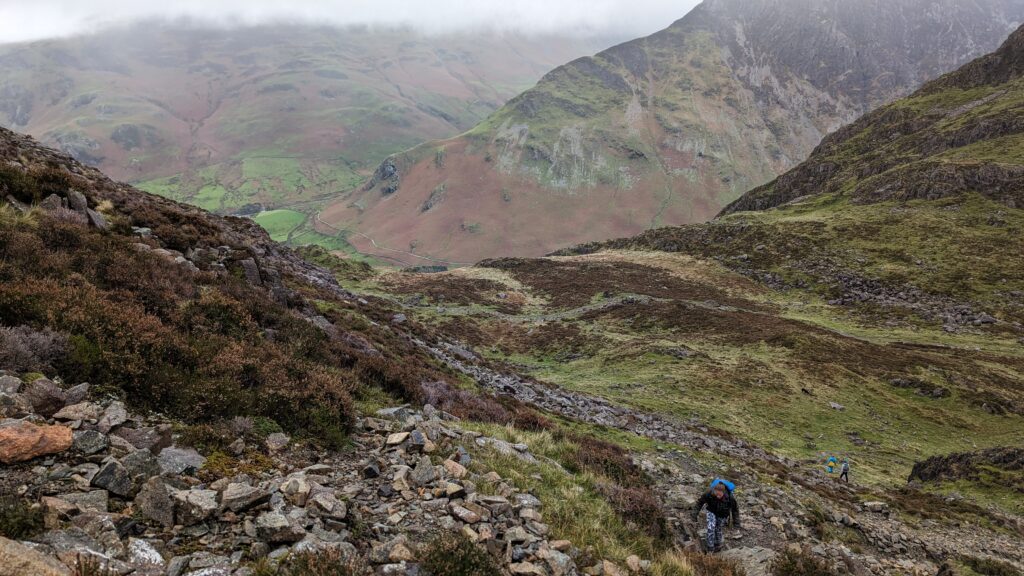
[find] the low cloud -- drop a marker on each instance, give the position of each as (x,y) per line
(23,20)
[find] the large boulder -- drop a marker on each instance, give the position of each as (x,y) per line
(45,396)
(20,440)
(18,560)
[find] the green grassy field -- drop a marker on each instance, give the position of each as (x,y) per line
(280,223)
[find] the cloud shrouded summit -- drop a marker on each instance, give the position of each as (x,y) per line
(23,21)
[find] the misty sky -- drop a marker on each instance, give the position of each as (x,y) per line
(22,20)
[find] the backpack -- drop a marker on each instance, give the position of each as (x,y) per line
(729,486)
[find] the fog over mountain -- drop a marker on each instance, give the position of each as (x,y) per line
(22,21)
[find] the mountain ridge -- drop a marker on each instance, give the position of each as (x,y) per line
(265,116)
(664,129)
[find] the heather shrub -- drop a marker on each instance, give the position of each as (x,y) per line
(19,185)
(214,313)
(456,555)
(19,520)
(161,338)
(676,563)
(389,376)
(25,349)
(606,459)
(708,565)
(990,567)
(638,507)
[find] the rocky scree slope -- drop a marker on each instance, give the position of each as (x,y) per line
(663,130)
(113,492)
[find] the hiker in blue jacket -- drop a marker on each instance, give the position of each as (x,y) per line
(720,505)
(830,466)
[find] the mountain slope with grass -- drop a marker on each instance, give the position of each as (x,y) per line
(244,407)
(248,118)
(867,305)
(666,129)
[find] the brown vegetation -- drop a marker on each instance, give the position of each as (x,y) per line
(571,284)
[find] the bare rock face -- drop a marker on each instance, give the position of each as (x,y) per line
(20,441)
(17,560)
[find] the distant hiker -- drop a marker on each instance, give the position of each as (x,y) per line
(720,505)
(830,466)
(844,471)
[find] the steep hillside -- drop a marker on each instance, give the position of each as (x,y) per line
(959,134)
(872,309)
(153,358)
(234,120)
(662,130)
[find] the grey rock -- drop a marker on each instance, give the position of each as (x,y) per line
(89,442)
(141,465)
(77,393)
(77,201)
(94,500)
(45,397)
(155,503)
(96,219)
(178,565)
(327,505)
(423,473)
(526,501)
(274,527)
(372,470)
(396,413)
(296,489)
(113,416)
(193,506)
(10,384)
(251,271)
(756,561)
(152,438)
(277,442)
(239,497)
(113,478)
(180,460)
(141,552)
(85,411)
(14,406)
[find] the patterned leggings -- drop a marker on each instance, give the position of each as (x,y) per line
(715,536)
